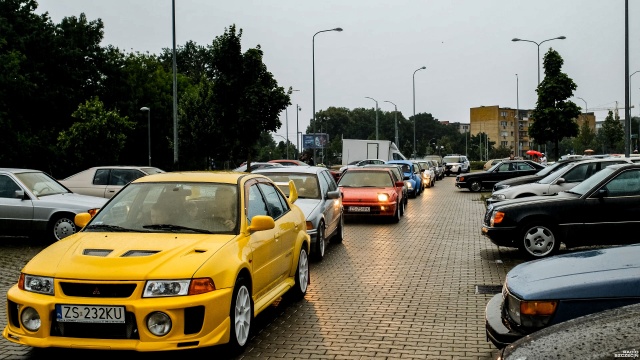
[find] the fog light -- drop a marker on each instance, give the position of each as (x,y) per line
(30,319)
(159,324)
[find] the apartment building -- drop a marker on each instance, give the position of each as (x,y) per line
(509,127)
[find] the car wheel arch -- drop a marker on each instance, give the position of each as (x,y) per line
(54,218)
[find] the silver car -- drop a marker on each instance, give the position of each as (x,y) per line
(319,199)
(33,203)
(106,181)
(561,180)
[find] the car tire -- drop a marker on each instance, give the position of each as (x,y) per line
(396,215)
(241,315)
(475,186)
(320,246)
(339,235)
(299,290)
(401,204)
(538,240)
(61,226)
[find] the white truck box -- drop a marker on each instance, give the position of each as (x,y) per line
(355,149)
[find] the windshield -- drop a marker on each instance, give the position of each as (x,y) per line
(41,184)
(451,159)
(551,177)
(306,184)
(366,179)
(551,168)
(591,181)
(171,207)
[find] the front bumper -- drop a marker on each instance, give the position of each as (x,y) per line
(197,321)
(375,209)
(497,333)
(502,236)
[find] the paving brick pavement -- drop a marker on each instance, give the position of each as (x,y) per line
(389,291)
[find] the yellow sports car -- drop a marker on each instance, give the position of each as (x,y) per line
(173,261)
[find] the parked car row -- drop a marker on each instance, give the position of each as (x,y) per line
(559,300)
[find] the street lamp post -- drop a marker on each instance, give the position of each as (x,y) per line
(376,114)
(517,132)
(586,108)
(286,114)
(538,44)
(396,120)
(313,64)
(298,108)
(414,109)
(175,87)
(148,110)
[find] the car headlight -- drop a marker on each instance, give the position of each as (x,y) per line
(36,284)
(383,197)
(460,178)
(161,288)
(496,218)
(409,185)
(499,196)
(530,314)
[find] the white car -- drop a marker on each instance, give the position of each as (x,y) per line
(362,163)
(561,180)
(32,203)
(106,181)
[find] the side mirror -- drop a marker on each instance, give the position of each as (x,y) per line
(602,193)
(333,194)
(560,181)
(82,219)
(19,194)
(261,222)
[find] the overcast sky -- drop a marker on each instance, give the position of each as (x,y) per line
(465,45)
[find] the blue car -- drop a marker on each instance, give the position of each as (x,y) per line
(411,175)
(544,292)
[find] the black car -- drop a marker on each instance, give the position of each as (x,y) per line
(527,179)
(507,169)
(602,210)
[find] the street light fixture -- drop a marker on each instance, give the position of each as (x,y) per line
(313,63)
(396,120)
(414,110)
(376,114)
(148,110)
(538,44)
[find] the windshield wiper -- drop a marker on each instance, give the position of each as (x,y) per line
(108,227)
(171,227)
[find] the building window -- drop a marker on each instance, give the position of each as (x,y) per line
(503,124)
(504,143)
(503,113)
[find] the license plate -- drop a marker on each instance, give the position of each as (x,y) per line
(359,208)
(90,314)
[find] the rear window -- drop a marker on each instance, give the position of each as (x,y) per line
(452,159)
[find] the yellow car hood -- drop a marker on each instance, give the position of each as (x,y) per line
(126,256)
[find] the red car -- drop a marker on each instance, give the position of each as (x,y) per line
(289,162)
(372,192)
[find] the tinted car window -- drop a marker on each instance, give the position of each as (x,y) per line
(8,187)
(275,201)
(625,184)
(101,177)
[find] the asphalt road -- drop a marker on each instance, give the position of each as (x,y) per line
(412,290)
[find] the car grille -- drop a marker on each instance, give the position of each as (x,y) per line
(98,290)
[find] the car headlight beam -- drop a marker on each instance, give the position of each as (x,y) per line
(383,197)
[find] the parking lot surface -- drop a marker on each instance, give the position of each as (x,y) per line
(412,290)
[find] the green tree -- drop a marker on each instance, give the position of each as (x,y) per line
(97,137)
(585,139)
(612,133)
(554,115)
(247,98)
